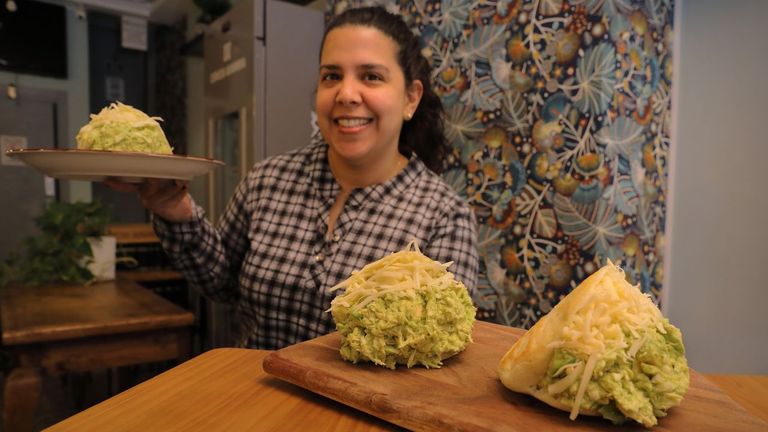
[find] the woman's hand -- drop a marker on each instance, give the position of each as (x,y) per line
(168,199)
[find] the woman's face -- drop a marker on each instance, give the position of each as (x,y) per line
(361,96)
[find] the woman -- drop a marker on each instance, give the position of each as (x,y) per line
(301,222)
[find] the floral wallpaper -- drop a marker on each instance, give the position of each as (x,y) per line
(559,114)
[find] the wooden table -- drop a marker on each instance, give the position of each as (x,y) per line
(226,389)
(72,328)
(750,391)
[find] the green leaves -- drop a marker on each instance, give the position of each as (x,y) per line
(61,250)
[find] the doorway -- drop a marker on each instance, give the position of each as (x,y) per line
(36,118)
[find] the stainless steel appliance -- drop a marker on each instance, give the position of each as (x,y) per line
(261,62)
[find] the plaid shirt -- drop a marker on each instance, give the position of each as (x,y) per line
(269,253)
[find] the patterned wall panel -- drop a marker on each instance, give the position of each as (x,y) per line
(559,114)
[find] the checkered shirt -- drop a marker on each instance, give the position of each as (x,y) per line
(269,253)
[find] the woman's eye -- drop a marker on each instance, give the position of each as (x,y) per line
(372,77)
(329,77)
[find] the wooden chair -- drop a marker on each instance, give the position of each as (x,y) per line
(154,271)
(141,238)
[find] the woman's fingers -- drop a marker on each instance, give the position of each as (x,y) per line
(156,189)
(120,186)
(168,199)
(162,194)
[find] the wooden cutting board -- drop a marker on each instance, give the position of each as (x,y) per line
(466,394)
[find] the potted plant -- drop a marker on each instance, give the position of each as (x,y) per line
(63,251)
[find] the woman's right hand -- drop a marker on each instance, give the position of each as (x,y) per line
(168,199)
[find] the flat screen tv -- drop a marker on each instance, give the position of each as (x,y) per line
(33,39)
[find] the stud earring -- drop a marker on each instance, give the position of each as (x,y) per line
(408,116)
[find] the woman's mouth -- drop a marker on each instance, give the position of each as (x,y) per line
(352,122)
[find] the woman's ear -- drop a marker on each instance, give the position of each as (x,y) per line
(414,93)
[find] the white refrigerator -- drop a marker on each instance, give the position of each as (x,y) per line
(261,61)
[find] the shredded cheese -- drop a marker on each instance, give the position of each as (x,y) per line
(636,346)
(401,273)
(586,376)
(605,323)
(574,371)
(619,320)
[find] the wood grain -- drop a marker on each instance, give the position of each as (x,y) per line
(57,312)
(466,395)
(220,390)
(62,328)
(20,381)
(748,390)
(227,390)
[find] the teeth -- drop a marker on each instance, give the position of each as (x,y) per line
(353,122)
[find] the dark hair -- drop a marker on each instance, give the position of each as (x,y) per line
(424,133)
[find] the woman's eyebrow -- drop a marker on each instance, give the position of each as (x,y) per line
(373,66)
(364,67)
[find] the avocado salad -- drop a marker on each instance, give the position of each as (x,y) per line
(624,385)
(121,127)
(403,309)
(617,355)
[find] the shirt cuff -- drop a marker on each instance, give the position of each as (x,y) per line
(184,232)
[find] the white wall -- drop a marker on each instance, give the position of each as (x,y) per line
(717,266)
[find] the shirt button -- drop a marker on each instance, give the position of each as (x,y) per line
(336,237)
(319,257)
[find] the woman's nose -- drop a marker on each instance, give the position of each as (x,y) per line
(349,93)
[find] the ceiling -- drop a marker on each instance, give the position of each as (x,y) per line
(166,12)
(157,11)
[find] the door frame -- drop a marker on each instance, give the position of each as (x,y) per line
(58,99)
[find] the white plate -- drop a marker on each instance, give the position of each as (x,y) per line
(95,165)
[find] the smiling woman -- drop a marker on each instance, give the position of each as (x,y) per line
(362,101)
(301,222)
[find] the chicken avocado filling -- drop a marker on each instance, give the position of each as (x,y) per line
(120,127)
(403,309)
(623,384)
(422,329)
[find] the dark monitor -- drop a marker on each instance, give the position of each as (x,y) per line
(33,39)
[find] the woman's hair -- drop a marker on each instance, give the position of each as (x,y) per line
(424,133)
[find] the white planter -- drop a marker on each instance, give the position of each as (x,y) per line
(104,252)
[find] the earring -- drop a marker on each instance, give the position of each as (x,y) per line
(408,116)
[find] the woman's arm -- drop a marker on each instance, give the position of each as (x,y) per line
(209,257)
(196,249)
(455,239)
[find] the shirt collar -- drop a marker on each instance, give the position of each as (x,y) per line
(319,173)
(392,187)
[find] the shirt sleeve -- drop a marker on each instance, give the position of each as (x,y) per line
(455,239)
(209,257)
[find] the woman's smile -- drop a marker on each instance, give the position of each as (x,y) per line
(352,124)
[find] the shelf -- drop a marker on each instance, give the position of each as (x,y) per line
(150,275)
(133,233)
